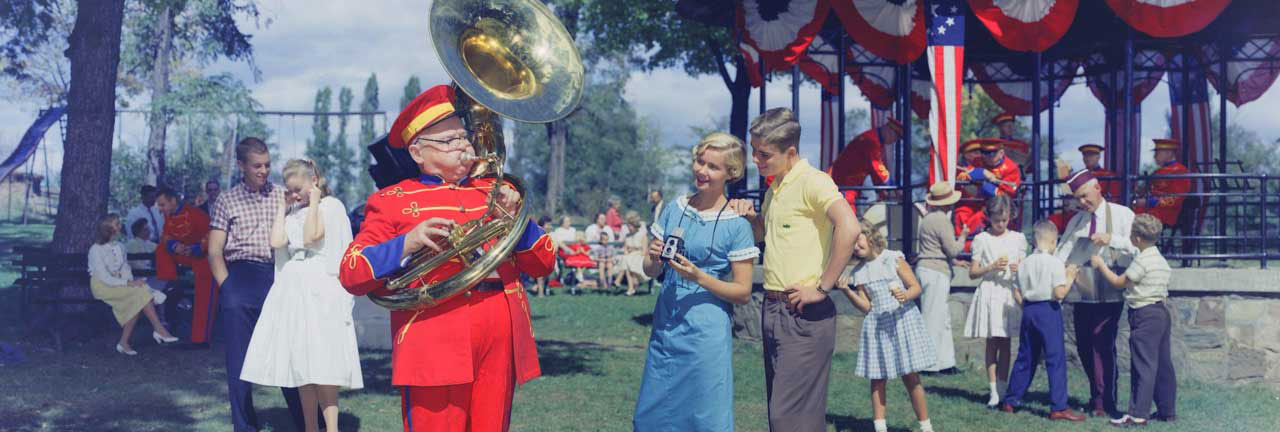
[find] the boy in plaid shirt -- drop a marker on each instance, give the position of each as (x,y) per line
(1043,281)
(1146,287)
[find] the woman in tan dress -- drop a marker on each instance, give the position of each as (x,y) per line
(631,263)
(111,281)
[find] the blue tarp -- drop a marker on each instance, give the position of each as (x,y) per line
(30,141)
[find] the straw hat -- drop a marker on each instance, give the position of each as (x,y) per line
(942,194)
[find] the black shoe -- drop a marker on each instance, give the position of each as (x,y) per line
(194,346)
(950,371)
(1163,418)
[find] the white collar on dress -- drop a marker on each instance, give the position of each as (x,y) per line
(708,215)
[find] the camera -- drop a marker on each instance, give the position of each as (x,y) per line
(673,245)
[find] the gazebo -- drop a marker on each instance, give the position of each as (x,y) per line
(1025,55)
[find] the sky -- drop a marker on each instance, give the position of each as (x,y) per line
(302,46)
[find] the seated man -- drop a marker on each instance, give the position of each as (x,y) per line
(184,241)
(1165,196)
(970,204)
(997,176)
(1092,156)
(863,157)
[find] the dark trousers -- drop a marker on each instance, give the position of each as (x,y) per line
(797,364)
(1151,374)
(240,303)
(1040,337)
(1096,325)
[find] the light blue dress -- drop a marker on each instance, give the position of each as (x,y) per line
(688,373)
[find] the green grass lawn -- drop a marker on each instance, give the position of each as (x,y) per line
(592,349)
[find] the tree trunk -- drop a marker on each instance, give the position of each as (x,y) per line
(557,132)
(159,83)
(94,53)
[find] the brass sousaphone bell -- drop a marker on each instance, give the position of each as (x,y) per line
(509,58)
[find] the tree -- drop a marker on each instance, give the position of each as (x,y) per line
(652,34)
(412,89)
(40,70)
(318,147)
(94,51)
(614,152)
(166,34)
(368,103)
(1243,145)
(340,177)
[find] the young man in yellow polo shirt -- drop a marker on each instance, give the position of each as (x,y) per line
(809,233)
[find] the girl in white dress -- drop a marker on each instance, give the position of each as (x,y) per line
(993,314)
(305,337)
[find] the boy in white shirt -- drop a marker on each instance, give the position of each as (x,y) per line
(1146,287)
(1043,281)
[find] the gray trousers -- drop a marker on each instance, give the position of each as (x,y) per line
(797,364)
(1151,374)
(936,289)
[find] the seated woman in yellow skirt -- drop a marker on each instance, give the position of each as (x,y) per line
(111,281)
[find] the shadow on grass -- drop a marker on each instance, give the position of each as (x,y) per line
(1033,402)
(570,358)
(278,419)
(850,423)
(645,320)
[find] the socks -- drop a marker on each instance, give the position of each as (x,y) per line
(995,395)
(926,426)
(880,425)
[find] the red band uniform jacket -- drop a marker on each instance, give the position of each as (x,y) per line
(432,346)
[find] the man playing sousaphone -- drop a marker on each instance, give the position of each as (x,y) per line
(456,362)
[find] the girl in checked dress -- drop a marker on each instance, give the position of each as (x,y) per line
(993,314)
(894,342)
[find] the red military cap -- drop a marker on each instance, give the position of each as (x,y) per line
(1001,118)
(987,144)
(1090,148)
(972,145)
(1166,144)
(431,106)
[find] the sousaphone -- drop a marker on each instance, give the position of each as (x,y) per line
(507,58)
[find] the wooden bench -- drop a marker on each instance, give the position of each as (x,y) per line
(57,279)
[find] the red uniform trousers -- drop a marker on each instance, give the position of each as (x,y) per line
(969,215)
(206,293)
(483,405)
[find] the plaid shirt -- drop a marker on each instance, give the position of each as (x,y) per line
(246,218)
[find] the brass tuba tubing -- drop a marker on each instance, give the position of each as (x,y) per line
(509,58)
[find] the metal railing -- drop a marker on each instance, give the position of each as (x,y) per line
(1232,220)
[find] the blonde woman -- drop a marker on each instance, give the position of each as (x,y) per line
(111,280)
(631,263)
(688,372)
(305,337)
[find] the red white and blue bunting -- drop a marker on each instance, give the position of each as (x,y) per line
(777,32)
(1247,79)
(890,29)
(1026,25)
(1168,18)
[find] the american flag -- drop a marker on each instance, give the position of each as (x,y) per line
(946,68)
(1190,100)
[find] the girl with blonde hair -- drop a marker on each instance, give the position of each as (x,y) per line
(111,280)
(305,337)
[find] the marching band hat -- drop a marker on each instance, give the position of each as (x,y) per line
(1078,179)
(1165,144)
(988,144)
(1001,118)
(1091,148)
(430,107)
(971,145)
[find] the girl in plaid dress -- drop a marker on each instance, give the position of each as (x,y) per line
(894,342)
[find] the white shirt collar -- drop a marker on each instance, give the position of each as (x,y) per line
(708,215)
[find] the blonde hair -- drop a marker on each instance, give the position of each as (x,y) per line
(735,153)
(633,218)
(777,127)
(106,229)
(1147,227)
(1046,229)
(298,167)
(999,204)
(874,238)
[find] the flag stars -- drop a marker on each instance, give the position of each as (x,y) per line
(942,30)
(951,21)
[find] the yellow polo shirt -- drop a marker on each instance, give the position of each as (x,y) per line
(797,232)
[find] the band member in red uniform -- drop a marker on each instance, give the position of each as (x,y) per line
(862,157)
(1111,187)
(185,241)
(970,203)
(457,363)
(997,176)
(1164,196)
(1005,122)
